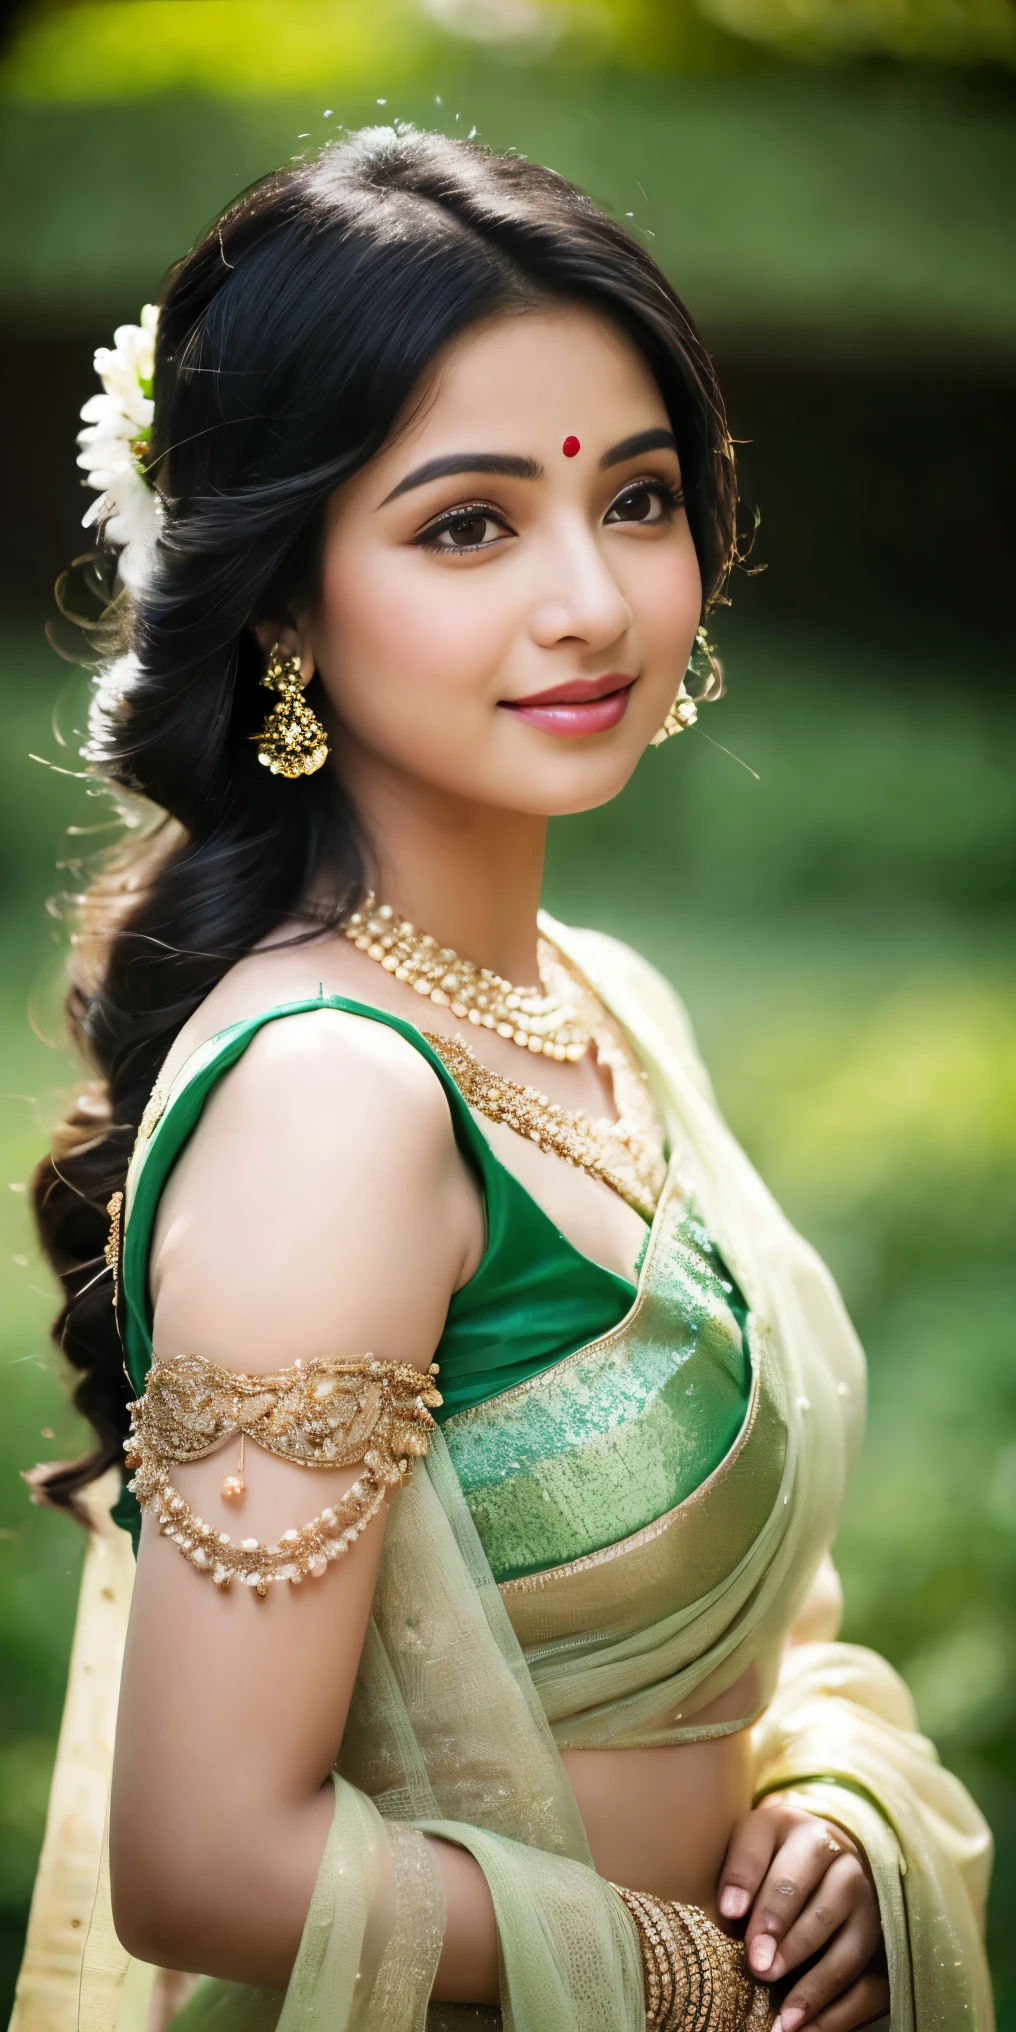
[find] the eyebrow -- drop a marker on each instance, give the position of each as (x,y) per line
(657,440)
(505,464)
(508,466)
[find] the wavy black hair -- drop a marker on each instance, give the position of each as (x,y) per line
(290,342)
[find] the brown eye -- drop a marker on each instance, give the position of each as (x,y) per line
(466,531)
(644,501)
(473,528)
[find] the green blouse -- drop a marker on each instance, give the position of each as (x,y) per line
(533,1300)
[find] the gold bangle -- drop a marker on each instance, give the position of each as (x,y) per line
(696,1978)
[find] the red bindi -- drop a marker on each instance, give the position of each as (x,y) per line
(570,446)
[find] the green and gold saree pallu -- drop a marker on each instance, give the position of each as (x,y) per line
(596,1459)
(549,1580)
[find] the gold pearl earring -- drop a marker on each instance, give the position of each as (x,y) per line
(705,667)
(292,741)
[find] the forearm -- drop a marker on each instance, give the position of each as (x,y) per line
(467,1972)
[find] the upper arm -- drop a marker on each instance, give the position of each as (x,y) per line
(320,1211)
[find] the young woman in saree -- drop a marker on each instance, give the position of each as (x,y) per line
(489,1426)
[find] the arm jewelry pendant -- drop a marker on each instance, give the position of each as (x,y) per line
(233,1486)
(318,1414)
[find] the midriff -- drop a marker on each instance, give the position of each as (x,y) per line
(660,1819)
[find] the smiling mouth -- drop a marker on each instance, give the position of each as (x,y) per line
(582,706)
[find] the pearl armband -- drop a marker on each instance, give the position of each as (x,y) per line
(316,1414)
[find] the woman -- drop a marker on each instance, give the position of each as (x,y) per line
(551,1730)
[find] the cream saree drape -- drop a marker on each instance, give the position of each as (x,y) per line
(454,1726)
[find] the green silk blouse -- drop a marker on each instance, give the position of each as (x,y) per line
(533,1300)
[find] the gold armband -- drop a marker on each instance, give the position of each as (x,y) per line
(696,1978)
(318,1414)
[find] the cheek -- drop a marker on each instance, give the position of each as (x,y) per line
(399,623)
(665,594)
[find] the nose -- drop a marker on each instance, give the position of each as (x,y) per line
(581,601)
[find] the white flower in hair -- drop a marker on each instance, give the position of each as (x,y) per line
(115,440)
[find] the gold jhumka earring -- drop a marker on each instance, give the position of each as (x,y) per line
(292,741)
(706,672)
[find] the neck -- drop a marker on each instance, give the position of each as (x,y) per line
(469,874)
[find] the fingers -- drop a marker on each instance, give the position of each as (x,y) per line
(840,1975)
(843,1893)
(799,1865)
(749,1854)
(860,2005)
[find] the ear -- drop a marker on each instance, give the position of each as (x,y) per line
(290,641)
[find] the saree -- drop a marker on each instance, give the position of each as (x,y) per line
(467,1691)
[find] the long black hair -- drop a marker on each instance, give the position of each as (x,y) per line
(289,343)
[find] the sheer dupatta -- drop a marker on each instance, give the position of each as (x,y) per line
(448,1731)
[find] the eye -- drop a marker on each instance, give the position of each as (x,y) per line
(477,527)
(646,502)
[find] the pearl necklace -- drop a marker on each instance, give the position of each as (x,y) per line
(538,1021)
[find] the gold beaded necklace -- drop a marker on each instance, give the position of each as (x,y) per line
(532,1018)
(627,1154)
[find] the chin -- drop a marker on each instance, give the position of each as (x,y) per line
(582,784)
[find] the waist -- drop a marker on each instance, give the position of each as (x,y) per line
(660,1820)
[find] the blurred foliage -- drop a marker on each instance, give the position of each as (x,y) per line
(841,929)
(110,49)
(845,211)
(131,48)
(949,31)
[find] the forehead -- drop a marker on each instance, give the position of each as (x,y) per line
(537,376)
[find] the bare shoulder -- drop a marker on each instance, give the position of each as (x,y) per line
(289,966)
(321,1207)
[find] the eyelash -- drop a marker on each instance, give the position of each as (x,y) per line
(427,537)
(670,493)
(671,496)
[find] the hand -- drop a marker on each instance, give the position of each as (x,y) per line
(809,1888)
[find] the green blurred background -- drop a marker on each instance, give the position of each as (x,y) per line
(830,183)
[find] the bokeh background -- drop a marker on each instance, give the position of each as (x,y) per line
(830,183)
